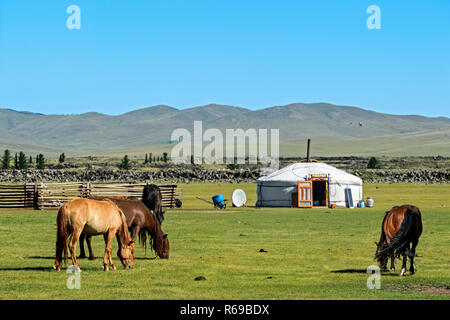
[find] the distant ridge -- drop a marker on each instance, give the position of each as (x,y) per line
(152,126)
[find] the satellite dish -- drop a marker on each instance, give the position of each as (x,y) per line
(239,198)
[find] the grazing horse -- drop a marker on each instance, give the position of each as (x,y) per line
(401,227)
(93,217)
(151,197)
(142,223)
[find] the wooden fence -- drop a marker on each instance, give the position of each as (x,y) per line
(47,196)
(17,196)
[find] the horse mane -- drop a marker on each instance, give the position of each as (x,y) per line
(153,235)
(123,230)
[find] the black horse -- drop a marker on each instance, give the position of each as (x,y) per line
(152,198)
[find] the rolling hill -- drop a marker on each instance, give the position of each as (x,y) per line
(334,129)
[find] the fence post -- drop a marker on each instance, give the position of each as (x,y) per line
(88,189)
(35,197)
(25,195)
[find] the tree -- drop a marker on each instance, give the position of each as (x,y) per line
(165,154)
(232,166)
(6,159)
(31,160)
(40,161)
(150,157)
(62,157)
(373,163)
(16,161)
(192,159)
(22,161)
(125,164)
(146,159)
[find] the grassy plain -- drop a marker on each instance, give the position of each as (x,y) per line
(310,253)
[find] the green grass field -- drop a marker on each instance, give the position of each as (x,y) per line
(311,253)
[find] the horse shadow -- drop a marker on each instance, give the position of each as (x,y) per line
(53,258)
(46,269)
(383,272)
(42,257)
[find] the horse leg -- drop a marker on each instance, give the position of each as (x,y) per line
(89,244)
(392,268)
(108,251)
(403,265)
(72,247)
(412,267)
(134,232)
(82,253)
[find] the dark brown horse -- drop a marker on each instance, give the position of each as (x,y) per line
(152,198)
(142,223)
(401,227)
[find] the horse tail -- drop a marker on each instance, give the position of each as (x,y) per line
(399,242)
(62,234)
(382,236)
(143,234)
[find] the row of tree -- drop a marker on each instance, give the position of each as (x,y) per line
(125,164)
(20,161)
(151,158)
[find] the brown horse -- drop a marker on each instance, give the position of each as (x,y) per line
(93,217)
(401,227)
(141,222)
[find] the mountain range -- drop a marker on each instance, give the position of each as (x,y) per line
(334,130)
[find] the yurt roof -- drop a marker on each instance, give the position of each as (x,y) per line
(303,170)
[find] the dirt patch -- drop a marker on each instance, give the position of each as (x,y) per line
(423,288)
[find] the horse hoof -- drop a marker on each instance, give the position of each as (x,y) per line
(403,273)
(92,258)
(392,270)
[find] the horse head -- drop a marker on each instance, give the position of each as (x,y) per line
(162,246)
(126,254)
(380,256)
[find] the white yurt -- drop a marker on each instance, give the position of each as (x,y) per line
(309,184)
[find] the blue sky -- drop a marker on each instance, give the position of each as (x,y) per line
(254,54)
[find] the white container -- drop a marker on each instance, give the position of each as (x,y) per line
(369,203)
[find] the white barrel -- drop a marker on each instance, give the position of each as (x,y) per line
(369,203)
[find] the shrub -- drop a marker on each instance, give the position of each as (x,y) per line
(373,163)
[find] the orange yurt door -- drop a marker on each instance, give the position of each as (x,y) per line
(305,194)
